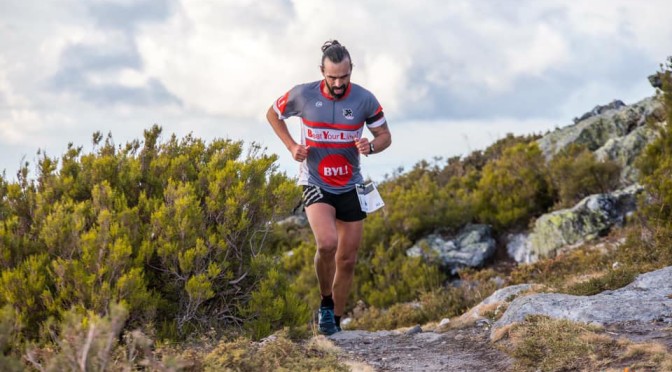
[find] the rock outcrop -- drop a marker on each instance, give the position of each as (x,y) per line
(594,216)
(648,298)
(616,132)
(596,130)
(625,150)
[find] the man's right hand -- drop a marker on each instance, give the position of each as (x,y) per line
(299,152)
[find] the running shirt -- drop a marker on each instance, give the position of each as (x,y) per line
(330,128)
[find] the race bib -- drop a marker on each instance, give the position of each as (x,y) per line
(369,197)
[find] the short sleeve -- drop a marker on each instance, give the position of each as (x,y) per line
(289,104)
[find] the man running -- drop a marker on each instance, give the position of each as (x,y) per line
(333,113)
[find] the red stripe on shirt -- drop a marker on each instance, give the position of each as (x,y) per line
(317,124)
(330,144)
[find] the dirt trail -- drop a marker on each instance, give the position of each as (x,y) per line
(455,350)
(467,349)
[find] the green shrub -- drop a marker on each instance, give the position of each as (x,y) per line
(655,164)
(650,246)
(171,230)
(274,305)
(513,188)
(575,173)
(386,276)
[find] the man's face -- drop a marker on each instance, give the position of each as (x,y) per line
(336,76)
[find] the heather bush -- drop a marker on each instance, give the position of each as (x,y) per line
(174,231)
(575,173)
(513,188)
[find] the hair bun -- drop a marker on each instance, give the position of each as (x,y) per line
(327,44)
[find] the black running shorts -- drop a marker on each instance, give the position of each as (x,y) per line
(346,204)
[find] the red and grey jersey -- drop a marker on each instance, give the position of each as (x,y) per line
(330,128)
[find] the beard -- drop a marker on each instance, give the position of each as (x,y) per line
(337,95)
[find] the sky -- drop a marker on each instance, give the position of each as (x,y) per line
(453,76)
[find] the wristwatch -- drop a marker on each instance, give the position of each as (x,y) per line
(371,149)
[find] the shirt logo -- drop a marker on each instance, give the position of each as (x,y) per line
(335,170)
(348,114)
(318,104)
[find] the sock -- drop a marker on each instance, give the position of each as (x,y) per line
(327,301)
(338,320)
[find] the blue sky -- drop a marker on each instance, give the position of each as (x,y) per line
(452,75)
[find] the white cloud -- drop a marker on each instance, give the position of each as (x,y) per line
(546,49)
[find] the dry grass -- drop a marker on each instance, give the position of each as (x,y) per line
(501,332)
(323,344)
(583,278)
(544,344)
(275,353)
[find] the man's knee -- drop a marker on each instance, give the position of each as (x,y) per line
(327,246)
(346,263)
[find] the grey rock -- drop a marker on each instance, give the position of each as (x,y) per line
(472,246)
(518,247)
(506,294)
(625,150)
(646,299)
(592,217)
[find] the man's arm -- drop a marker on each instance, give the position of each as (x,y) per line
(299,152)
(382,138)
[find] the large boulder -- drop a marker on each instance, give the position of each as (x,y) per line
(644,300)
(592,217)
(625,150)
(607,122)
(472,246)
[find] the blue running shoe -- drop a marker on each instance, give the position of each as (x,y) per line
(326,324)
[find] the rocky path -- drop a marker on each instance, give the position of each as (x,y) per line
(414,350)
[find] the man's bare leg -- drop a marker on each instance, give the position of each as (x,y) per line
(322,219)
(349,239)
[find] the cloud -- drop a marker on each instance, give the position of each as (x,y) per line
(127,14)
(104,75)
